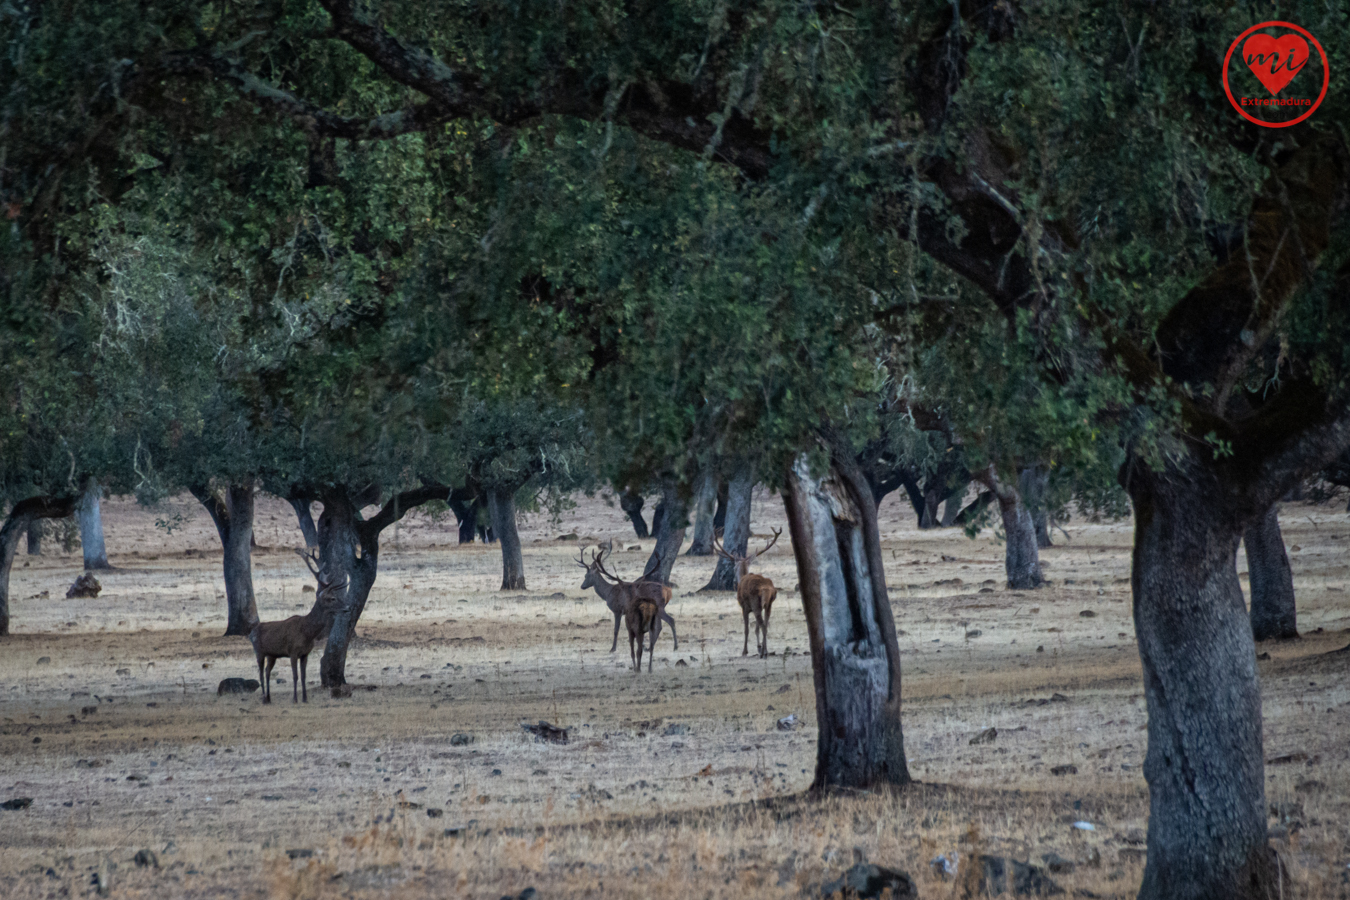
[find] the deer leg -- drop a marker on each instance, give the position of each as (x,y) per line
(260,675)
(304,688)
(295,688)
(651,656)
(673,636)
(632,654)
(615,645)
(761,635)
(745,645)
(267,682)
(767,610)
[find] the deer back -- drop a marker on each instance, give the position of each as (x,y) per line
(755,591)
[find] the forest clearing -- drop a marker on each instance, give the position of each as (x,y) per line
(675,784)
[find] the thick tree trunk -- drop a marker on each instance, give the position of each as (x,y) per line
(1273,614)
(91,528)
(35,537)
(464,504)
(1022,560)
(233,517)
(855,656)
(736,534)
(306,520)
(15,526)
(1032,483)
(720,517)
(342,550)
(705,508)
(669,536)
(630,501)
(502,509)
(951,509)
(1207,813)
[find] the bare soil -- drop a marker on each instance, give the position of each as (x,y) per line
(677,783)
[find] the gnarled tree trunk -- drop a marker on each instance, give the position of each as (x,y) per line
(1022,560)
(1032,482)
(16,525)
(91,527)
(855,657)
(502,509)
(951,509)
(630,501)
(705,508)
(1207,813)
(1273,614)
(306,520)
(35,537)
(736,534)
(669,534)
(233,517)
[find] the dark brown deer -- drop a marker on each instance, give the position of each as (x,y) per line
(754,593)
(643,617)
(619,595)
(295,637)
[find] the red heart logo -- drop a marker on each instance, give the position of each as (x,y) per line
(1275,60)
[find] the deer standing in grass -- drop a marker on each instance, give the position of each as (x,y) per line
(643,617)
(295,637)
(754,593)
(619,595)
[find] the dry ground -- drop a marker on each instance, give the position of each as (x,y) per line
(676,783)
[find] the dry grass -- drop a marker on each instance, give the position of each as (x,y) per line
(712,808)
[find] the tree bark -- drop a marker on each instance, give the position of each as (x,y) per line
(736,534)
(35,537)
(705,508)
(1021,560)
(306,520)
(233,517)
(16,524)
(951,509)
(502,510)
(720,517)
(1032,483)
(1207,813)
(630,501)
(669,536)
(343,550)
(855,657)
(1273,614)
(91,528)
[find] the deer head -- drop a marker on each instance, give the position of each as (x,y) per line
(742,563)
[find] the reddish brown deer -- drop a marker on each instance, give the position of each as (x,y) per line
(754,593)
(643,617)
(619,595)
(295,637)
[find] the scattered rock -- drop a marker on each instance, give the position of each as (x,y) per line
(1287,758)
(123,671)
(788,722)
(271,797)
(146,859)
(44,660)
(307,589)
(784,689)
(306,853)
(867,880)
(636,548)
(557,595)
(1088,614)
(461,739)
(973,634)
(1026,880)
(1064,770)
(1084,826)
(136,778)
(544,731)
(570,536)
(84,586)
(434,813)
(528,894)
(1058,864)
(943,867)
(89,763)
(985,737)
(17,803)
(236,686)
(679,663)
(675,728)
(88,710)
(408,804)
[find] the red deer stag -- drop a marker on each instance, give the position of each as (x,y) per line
(754,593)
(643,617)
(295,637)
(619,595)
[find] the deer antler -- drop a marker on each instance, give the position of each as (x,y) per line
(311,558)
(600,566)
(776,533)
(722,551)
(581,559)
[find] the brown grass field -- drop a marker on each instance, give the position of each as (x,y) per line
(674,784)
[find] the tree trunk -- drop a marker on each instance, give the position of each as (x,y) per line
(306,520)
(233,517)
(502,509)
(855,657)
(669,536)
(91,528)
(705,508)
(1021,560)
(929,517)
(1032,483)
(1273,614)
(343,550)
(1207,813)
(16,524)
(630,501)
(720,517)
(35,537)
(736,534)
(951,509)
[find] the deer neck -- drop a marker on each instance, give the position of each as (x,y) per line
(317,621)
(608,591)
(742,568)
